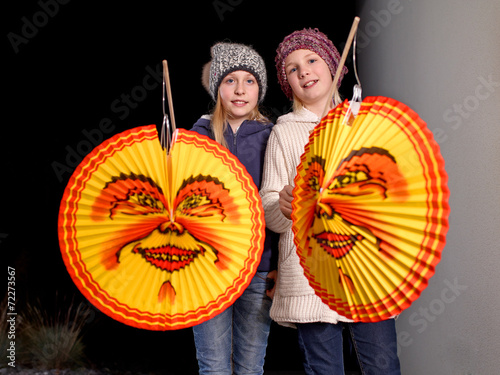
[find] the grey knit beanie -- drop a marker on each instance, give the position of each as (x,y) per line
(229,57)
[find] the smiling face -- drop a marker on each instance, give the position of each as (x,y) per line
(365,175)
(161,240)
(369,174)
(364,224)
(239,92)
(162,236)
(308,76)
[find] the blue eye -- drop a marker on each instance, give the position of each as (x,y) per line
(312,61)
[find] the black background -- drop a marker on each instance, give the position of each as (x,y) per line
(70,66)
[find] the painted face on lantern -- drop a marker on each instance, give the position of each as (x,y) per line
(161,236)
(369,175)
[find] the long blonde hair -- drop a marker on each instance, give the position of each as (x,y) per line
(220,117)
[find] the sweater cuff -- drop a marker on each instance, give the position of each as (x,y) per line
(275,220)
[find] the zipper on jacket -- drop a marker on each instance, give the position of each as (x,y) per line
(235,134)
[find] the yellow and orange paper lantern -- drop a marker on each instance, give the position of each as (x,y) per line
(161,241)
(370,209)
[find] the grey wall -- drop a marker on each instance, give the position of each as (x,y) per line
(442,58)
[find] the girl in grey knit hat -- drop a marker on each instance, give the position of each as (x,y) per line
(235,341)
(229,60)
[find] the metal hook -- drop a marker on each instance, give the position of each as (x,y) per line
(354,59)
(357,90)
(165,126)
(340,66)
(166,132)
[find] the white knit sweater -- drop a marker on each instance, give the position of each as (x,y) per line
(294,300)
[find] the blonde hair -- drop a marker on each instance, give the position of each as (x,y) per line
(298,105)
(220,117)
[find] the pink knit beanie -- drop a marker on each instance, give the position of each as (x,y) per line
(311,39)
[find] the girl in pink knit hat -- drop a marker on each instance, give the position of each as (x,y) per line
(306,62)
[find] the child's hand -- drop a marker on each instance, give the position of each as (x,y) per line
(272,276)
(286,201)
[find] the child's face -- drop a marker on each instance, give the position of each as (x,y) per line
(239,92)
(309,76)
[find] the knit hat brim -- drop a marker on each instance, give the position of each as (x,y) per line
(230,57)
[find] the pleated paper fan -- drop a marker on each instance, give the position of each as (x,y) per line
(161,241)
(370,209)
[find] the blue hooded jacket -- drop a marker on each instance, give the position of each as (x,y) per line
(248,144)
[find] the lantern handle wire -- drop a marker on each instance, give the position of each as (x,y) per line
(345,52)
(167,129)
(357,98)
(354,59)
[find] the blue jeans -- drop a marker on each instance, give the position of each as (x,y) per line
(375,345)
(237,336)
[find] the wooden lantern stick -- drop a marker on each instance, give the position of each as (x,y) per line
(169,94)
(347,47)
